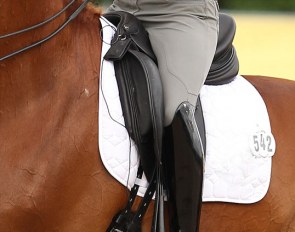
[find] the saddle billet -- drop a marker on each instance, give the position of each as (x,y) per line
(141,96)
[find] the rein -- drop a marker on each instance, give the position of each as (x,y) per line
(59,29)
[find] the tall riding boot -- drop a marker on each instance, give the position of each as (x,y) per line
(185,169)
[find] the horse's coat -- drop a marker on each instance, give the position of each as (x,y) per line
(51,176)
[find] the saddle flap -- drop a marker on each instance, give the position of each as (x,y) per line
(140,87)
(134,96)
(140,92)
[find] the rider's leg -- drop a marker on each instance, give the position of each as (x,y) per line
(184,49)
(183,35)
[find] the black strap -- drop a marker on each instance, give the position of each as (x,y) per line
(122,219)
(38,24)
(71,17)
(125,220)
(134,191)
(135,224)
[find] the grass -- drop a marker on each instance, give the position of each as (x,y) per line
(265,44)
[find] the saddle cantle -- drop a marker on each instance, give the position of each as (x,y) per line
(225,65)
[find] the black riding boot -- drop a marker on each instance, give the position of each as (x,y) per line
(185,169)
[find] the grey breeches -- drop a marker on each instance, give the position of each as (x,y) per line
(183,35)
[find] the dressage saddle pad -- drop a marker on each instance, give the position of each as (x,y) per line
(235,118)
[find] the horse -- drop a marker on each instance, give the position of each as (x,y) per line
(51,175)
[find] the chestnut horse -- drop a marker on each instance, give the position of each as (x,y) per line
(51,175)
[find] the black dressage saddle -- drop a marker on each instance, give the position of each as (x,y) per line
(141,96)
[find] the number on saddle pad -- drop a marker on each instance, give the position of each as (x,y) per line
(262,144)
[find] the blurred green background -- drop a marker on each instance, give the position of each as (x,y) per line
(265,36)
(274,5)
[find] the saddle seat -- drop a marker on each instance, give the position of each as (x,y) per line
(225,65)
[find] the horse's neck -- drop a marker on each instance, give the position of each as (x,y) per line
(63,63)
(17,15)
(50,88)
(48,135)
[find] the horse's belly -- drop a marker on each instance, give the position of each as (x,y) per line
(258,217)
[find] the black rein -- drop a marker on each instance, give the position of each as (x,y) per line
(59,29)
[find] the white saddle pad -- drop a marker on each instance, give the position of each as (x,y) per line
(239,140)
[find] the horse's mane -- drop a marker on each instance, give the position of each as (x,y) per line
(92,13)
